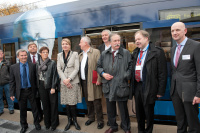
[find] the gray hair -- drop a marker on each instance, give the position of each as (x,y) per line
(86,39)
(113,34)
(20,50)
(31,43)
(106,30)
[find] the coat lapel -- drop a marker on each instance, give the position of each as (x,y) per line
(18,73)
(187,45)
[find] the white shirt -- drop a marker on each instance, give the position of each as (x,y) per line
(142,60)
(83,63)
(107,47)
(115,52)
(36,57)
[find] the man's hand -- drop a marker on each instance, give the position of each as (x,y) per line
(98,83)
(159,96)
(196,100)
(107,76)
(12,98)
(52,91)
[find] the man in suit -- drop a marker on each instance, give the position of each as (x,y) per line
(91,90)
(23,83)
(149,79)
(185,82)
(115,67)
(33,57)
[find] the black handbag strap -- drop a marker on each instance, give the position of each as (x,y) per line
(68,57)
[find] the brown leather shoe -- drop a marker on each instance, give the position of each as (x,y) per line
(128,131)
(110,130)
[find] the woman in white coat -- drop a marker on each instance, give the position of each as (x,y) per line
(70,94)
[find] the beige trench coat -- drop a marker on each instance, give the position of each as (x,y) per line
(94,91)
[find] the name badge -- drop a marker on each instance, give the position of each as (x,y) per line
(185,57)
(138,68)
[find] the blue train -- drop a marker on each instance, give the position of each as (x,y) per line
(47,26)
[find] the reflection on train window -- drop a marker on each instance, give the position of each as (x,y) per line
(162,38)
(193,33)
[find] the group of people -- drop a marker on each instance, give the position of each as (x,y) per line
(110,70)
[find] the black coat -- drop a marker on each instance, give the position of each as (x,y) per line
(4,73)
(154,73)
(116,89)
(15,79)
(50,75)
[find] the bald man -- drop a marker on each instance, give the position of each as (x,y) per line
(185,82)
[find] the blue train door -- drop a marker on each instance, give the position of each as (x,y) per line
(160,32)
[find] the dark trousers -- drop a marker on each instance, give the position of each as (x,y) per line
(186,115)
(92,106)
(111,111)
(50,106)
(40,112)
(143,112)
(27,94)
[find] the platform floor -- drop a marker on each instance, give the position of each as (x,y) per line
(9,123)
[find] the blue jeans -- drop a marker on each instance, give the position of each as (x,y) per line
(9,101)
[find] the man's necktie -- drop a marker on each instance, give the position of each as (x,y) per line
(33,59)
(25,80)
(113,55)
(137,72)
(177,55)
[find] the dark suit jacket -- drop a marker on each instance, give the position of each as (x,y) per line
(15,79)
(186,77)
(29,57)
(154,73)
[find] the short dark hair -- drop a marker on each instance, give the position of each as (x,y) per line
(44,48)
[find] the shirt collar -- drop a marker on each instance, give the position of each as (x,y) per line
(115,50)
(86,51)
(145,48)
(32,55)
(183,42)
(22,63)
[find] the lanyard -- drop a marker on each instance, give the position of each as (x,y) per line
(144,53)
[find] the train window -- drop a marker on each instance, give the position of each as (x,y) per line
(193,33)
(75,40)
(162,37)
(9,52)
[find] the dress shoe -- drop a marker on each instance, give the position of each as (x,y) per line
(23,130)
(128,131)
(11,111)
(37,127)
(100,125)
(110,130)
(53,128)
(87,123)
(1,113)
(47,128)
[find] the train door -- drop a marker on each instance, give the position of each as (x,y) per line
(160,35)
(127,33)
(9,52)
